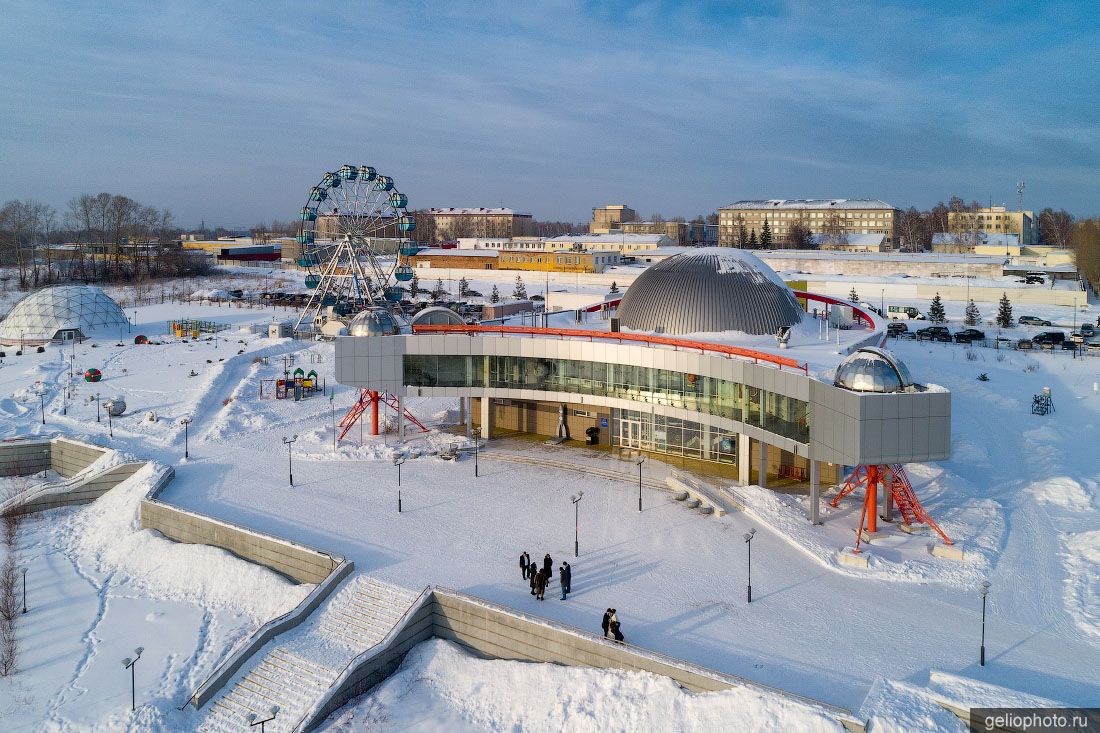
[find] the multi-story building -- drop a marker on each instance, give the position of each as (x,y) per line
(611,218)
(454,223)
(681,233)
(619,242)
(334,226)
(835,218)
(996,220)
(559,261)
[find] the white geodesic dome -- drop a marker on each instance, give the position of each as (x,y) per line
(40,315)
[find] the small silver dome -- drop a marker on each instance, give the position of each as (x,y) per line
(437,316)
(707,290)
(373,322)
(871,369)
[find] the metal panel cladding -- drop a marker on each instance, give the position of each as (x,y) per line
(709,290)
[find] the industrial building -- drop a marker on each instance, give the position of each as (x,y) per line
(710,361)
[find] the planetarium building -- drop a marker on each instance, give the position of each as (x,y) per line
(709,359)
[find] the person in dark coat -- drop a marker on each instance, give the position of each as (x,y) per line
(567,577)
(533,574)
(540,585)
(548,566)
(561,581)
(614,626)
(606,623)
(524,564)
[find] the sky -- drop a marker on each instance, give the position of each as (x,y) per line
(228,112)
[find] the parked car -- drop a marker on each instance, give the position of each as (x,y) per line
(1071,345)
(895,328)
(1053,338)
(968,335)
(934,333)
(1033,321)
(1087,330)
(1024,344)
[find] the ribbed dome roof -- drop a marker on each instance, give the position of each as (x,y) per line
(872,369)
(373,322)
(709,289)
(42,313)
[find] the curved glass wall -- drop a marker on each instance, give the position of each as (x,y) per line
(776,413)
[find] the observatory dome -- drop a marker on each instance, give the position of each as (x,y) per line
(43,313)
(437,316)
(872,369)
(373,322)
(709,289)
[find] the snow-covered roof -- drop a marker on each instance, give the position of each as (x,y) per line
(598,238)
(899,257)
(810,204)
(854,240)
(457,252)
(975,238)
(42,313)
(479,211)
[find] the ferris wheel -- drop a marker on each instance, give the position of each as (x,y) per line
(345,216)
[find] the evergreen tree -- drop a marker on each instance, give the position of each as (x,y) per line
(1004,312)
(752,240)
(463,287)
(973,315)
(766,235)
(742,236)
(414,286)
(614,287)
(520,291)
(494,297)
(853,296)
(936,313)
(439,292)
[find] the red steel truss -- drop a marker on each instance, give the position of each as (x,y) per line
(370,398)
(895,480)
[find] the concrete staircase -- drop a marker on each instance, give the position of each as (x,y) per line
(296,669)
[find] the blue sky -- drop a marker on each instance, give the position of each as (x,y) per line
(230,111)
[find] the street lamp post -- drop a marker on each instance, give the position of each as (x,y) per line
(186,448)
(477,445)
(110,423)
(748,541)
(289,455)
(397,462)
(72,358)
(576,498)
(254,720)
(45,462)
(42,405)
(640,461)
(129,664)
(332,404)
(984,592)
(97,419)
(24,590)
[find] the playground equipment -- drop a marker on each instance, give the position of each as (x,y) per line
(896,482)
(93,375)
(190,328)
(141,339)
(1042,404)
(342,216)
(371,399)
(297,386)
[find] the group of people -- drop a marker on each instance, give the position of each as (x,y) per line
(610,625)
(540,577)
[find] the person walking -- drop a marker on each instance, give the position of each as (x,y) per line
(540,585)
(548,566)
(606,623)
(524,562)
(567,577)
(614,626)
(562,581)
(531,568)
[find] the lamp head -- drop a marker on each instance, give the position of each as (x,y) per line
(251,717)
(139,650)
(274,709)
(749,534)
(126,663)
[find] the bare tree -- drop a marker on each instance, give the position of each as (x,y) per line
(913,231)
(1055,227)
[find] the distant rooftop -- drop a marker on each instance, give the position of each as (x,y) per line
(634,238)
(899,257)
(480,211)
(997,239)
(797,204)
(855,240)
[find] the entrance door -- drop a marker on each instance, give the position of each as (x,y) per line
(631,433)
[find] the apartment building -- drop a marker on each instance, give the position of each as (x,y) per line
(835,218)
(996,220)
(606,219)
(453,223)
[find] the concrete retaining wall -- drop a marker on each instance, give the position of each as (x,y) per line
(298,562)
(84,492)
(24,457)
(225,671)
(69,457)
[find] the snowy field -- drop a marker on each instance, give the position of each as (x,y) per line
(1020,494)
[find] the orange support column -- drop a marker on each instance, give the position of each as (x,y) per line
(871,499)
(374,412)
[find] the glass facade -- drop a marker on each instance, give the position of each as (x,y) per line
(773,412)
(672,436)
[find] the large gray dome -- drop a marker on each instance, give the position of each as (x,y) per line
(872,369)
(373,322)
(709,289)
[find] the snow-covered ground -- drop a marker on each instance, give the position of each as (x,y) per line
(1020,493)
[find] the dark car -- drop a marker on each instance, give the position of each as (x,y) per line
(1049,338)
(968,335)
(1033,321)
(1087,330)
(934,333)
(894,328)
